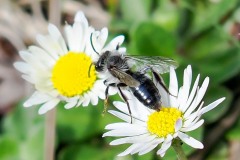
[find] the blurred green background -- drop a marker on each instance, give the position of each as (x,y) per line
(203,33)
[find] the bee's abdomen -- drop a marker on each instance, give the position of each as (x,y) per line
(148,94)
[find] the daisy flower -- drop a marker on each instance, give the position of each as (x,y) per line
(61,71)
(179,114)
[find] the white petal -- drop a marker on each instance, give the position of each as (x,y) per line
(192,94)
(122,50)
(86,101)
(173,87)
(120,115)
(79,37)
(102,38)
(32,60)
(93,98)
(150,146)
(165,145)
(186,86)
(133,131)
(114,43)
(46,43)
(190,141)
(139,111)
(135,139)
(80,101)
(70,36)
(193,106)
(212,105)
(164,95)
(71,104)
(80,17)
(119,125)
(23,67)
(178,125)
(48,106)
(57,36)
(42,56)
(198,97)
(28,78)
(130,149)
(37,98)
(193,127)
(189,120)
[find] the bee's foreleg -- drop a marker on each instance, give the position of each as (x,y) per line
(125,98)
(107,95)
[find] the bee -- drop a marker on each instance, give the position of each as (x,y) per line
(132,72)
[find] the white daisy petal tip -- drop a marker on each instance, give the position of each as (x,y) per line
(121,154)
(190,141)
(42,111)
(212,105)
(189,68)
(161,152)
(79,16)
(27,104)
(119,39)
(51,27)
(105,134)
(104,31)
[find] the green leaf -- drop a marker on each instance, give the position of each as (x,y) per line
(220,67)
(9,148)
(209,44)
(77,123)
(81,123)
(90,152)
(151,39)
(137,13)
(26,129)
(208,14)
(166,16)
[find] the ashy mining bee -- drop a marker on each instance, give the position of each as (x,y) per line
(131,71)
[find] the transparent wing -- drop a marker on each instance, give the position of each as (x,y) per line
(124,77)
(157,63)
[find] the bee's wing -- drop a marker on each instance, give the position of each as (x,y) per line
(125,78)
(157,63)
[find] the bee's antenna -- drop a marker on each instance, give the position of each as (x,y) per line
(117,47)
(92,44)
(89,69)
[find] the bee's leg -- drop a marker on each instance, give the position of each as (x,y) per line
(160,81)
(157,77)
(125,98)
(107,95)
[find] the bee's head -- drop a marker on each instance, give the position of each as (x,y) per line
(102,62)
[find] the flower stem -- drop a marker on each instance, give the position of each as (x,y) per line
(50,121)
(178,149)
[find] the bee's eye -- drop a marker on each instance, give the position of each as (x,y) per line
(102,62)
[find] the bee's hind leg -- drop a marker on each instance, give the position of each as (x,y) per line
(160,81)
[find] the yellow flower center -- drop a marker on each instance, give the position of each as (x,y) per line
(163,122)
(70,74)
